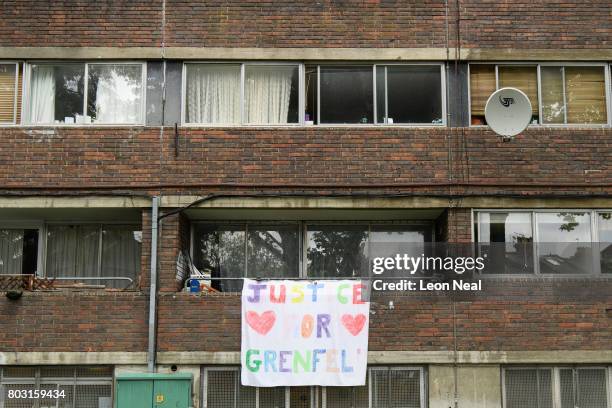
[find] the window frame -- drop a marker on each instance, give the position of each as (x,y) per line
(555,379)
(18,73)
(607,90)
(314,401)
(303,234)
(36,225)
(243,64)
(594,232)
(374,94)
(26,99)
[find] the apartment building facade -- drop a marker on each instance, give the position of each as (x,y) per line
(142,140)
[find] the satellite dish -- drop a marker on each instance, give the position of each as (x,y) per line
(508,111)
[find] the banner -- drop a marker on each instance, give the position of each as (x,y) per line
(304,333)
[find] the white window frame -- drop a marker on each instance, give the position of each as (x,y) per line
(15,105)
(26,98)
(555,379)
(35,225)
(594,232)
(314,390)
(538,65)
(374,97)
(243,123)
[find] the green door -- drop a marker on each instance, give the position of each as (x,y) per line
(153,391)
(171,394)
(134,394)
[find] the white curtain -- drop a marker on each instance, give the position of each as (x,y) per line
(72,251)
(268,91)
(42,94)
(118,94)
(213,93)
(11,251)
(120,253)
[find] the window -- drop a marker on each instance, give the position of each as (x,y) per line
(544,242)
(85,386)
(10,93)
(232,94)
(572,94)
(548,387)
(83,93)
(90,251)
(18,251)
(380,94)
(385,387)
(229,251)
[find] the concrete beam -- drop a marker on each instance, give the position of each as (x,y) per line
(71,358)
(385,202)
(419,357)
(304,54)
(74,202)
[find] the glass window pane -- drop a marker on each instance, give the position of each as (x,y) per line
(347,397)
(219,250)
(114,94)
(310,117)
(347,95)
(507,240)
(273,251)
(482,85)
(337,250)
(120,253)
(72,251)
(528,388)
(405,388)
(18,251)
(272,94)
(566,385)
(8,77)
(564,243)
(414,94)
(553,103)
(213,93)
(381,95)
(605,241)
(390,240)
(525,79)
(585,95)
(56,93)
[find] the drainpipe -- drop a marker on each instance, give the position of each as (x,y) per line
(153,286)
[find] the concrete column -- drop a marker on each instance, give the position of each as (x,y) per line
(478,386)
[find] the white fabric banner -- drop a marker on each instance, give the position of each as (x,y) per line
(304,333)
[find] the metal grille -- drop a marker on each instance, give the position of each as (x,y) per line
(272,397)
(83,387)
(396,388)
(221,388)
(528,388)
(583,388)
(346,397)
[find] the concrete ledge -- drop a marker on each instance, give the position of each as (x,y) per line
(419,357)
(71,358)
(307,53)
(74,202)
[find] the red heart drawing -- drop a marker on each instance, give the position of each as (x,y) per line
(353,324)
(261,324)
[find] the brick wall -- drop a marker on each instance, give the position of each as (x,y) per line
(74,321)
(540,161)
(525,24)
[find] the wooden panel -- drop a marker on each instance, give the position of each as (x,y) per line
(523,78)
(482,85)
(7,93)
(586,95)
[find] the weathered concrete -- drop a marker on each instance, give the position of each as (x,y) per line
(74,202)
(477,386)
(71,358)
(313,54)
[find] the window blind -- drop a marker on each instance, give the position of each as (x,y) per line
(586,95)
(7,92)
(482,85)
(523,78)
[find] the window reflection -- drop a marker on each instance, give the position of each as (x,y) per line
(337,250)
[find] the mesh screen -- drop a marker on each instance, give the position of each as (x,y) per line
(272,397)
(380,388)
(221,388)
(245,395)
(347,397)
(566,381)
(92,396)
(530,388)
(57,372)
(68,399)
(299,397)
(405,389)
(16,402)
(592,388)
(94,371)
(18,372)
